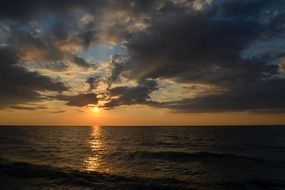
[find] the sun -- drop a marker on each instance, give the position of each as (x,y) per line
(96,109)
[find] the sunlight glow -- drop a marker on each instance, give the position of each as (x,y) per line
(94,162)
(96,109)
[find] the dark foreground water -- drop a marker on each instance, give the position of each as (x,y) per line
(142,157)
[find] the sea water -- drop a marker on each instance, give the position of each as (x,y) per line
(226,157)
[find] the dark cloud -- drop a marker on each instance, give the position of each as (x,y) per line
(20,86)
(92,82)
(79,100)
(257,97)
(18,9)
(244,8)
(82,62)
(53,30)
(27,9)
(193,43)
(119,66)
(205,47)
(139,94)
(143,6)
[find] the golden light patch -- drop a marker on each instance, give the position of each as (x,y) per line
(96,109)
(31,54)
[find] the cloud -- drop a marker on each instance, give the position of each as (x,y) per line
(139,94)
(199,42)
(80,100)
(57,112)
(205,47)
(23,10)
(44,52)
(92,82)
(32,108)
(20,86)
(282,67)
(81,62)
(119,66)
(194,43)
(256,97)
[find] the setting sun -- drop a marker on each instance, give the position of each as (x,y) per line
(96,109)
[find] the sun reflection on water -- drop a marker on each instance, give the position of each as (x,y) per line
(94,162)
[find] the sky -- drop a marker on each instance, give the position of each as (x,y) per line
(142,62)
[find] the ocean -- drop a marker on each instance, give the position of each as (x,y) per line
(226,157)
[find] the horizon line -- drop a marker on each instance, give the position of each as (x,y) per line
(214,125)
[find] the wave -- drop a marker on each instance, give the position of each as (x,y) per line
(182,157)
(72,178)
(19,174)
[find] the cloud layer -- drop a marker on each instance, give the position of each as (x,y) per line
(230,47)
